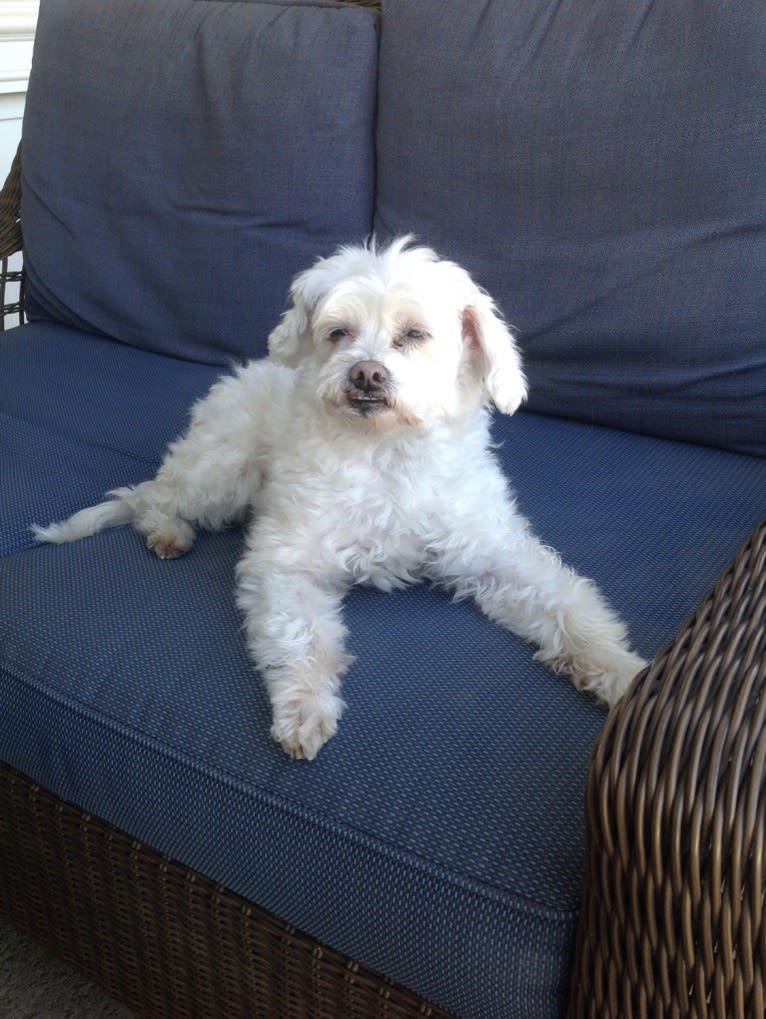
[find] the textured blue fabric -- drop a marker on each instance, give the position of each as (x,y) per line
(601,168)
(84,423)
(182,161)
(439,836)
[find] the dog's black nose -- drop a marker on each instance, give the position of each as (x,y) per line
(369,376)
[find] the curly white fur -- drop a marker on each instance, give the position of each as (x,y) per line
(361,448)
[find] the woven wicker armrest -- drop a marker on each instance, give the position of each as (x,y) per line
(10,240)
(673,913)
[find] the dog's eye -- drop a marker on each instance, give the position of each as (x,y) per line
(408,338)
(339,334)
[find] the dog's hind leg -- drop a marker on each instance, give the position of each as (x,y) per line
(166,533)
(210,475)
(207,479)
(155,514)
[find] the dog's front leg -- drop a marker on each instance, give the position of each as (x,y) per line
(296,638)
(524,586)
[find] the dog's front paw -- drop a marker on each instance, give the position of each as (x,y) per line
(604,673)
(304,725)
(625,669)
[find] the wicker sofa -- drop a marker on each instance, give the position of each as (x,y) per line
(539,859)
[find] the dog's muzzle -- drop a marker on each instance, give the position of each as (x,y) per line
(369,386)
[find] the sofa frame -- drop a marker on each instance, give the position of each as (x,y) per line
(672,920)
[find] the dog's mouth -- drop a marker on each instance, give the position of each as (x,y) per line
(367,403)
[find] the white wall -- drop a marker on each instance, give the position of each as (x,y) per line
(17,29)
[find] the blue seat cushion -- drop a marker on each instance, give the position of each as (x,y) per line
(601,169)
(182,161)
(438,838)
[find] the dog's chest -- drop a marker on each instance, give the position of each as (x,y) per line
(358,518)
(381,526)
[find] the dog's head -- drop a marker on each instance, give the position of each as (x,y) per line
(396,335)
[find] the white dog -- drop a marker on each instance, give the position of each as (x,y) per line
(361,446)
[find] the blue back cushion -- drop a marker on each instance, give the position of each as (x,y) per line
(182,161)
(601,168)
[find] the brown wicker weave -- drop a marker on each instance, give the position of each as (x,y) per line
(10,241)
(672,919)
(673,912)
(10,205)
(162,938)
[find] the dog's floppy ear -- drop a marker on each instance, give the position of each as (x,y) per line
(288,340)
(499,360)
